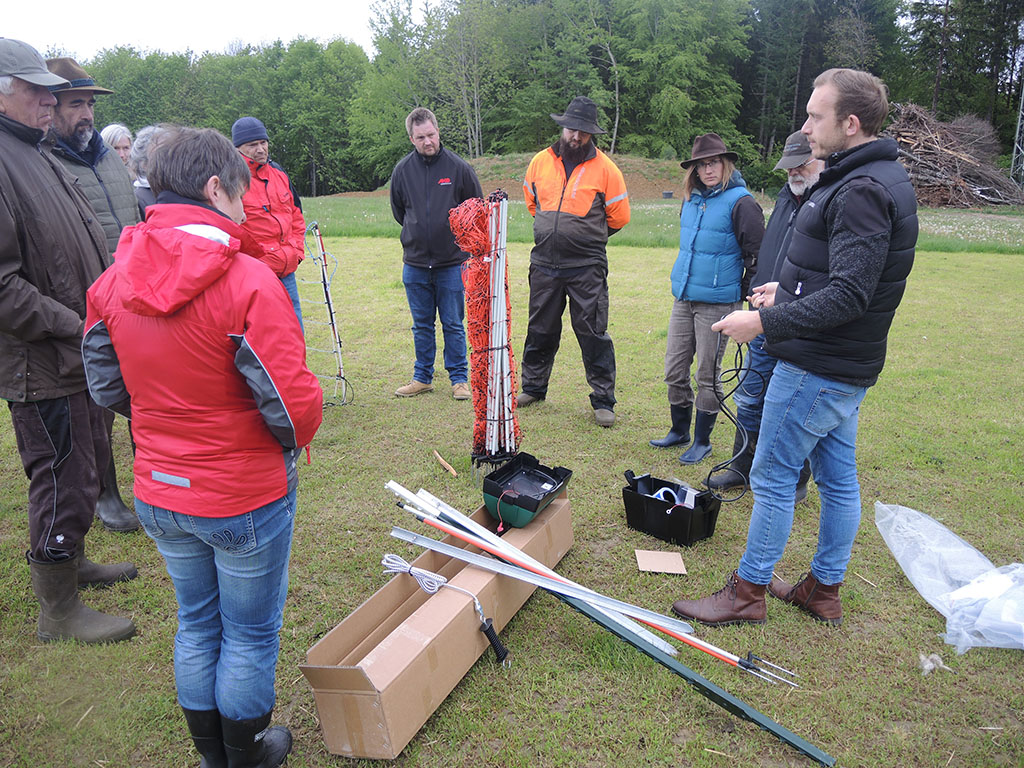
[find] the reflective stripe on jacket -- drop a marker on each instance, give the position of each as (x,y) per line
(572,217)
(201,345)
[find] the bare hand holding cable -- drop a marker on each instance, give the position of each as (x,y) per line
(741,326)
(763,295)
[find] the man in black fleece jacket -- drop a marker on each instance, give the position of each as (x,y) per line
(827,320)
(425,185)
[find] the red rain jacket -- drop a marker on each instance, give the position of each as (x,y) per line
(198,343)
(272,218)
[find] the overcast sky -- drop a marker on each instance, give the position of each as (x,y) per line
(81,29)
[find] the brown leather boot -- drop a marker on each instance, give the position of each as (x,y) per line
(739,602)
(820,600)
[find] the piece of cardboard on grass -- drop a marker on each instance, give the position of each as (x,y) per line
(380,674)
(653,561)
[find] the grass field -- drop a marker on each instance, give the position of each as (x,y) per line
(941,432)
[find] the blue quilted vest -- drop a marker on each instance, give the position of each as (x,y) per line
(709,266)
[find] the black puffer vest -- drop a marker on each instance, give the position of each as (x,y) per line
(855,351)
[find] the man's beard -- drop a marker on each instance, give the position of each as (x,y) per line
(801,184)
(80,138)
(574,155)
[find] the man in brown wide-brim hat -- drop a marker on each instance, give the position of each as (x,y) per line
(578,198)
(51,251)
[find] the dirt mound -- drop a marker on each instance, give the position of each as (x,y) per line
(645,179)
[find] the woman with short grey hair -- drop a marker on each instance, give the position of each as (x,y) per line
(119,138)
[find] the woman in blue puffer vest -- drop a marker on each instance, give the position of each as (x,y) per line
(720,231)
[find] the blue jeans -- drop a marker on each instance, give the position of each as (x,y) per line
(230,576)
(437,292)
(804,415)
(749,395)
(292,286)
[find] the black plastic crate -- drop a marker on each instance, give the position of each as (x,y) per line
(668,520)
(518,490)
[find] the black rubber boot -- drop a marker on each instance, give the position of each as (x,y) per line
(204,727)
(679,434)
(801,484)
(701,448)
(737,475)
(92,574)
(62,616)
(111,511)
(252,744)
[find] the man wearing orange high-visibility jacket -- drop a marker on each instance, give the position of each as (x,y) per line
(578,198)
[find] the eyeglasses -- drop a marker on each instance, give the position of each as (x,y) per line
(708,164)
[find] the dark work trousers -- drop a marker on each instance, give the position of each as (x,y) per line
(586,288)
(62,442)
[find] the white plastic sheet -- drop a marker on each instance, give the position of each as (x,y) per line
(983,605)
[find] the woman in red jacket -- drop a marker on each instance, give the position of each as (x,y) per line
(196,342)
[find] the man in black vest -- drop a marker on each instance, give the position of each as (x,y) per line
(826,319)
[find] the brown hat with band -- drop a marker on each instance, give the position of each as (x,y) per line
(78,79)
(796,152)
(708,145)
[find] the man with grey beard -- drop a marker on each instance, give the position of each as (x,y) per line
(803,170)
(107,184)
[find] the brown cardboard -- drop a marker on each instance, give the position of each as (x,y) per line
(380,674)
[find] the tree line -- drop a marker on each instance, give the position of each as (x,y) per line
(662,71)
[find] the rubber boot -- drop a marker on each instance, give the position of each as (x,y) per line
(701,447)
(92,574)
(62,616)
(801,483)
(111,511)
(679,434)
(204,727)
(252,744)
(737,473)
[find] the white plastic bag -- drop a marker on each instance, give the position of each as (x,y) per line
(983,605)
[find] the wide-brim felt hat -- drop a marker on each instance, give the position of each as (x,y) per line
(77,78)
(580,115)
(796,152)
(708,145)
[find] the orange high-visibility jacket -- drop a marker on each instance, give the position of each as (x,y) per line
(572,217)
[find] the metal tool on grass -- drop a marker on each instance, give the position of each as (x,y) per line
(431,582)
(341,394)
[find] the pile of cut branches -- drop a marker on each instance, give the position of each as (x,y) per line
(944,162)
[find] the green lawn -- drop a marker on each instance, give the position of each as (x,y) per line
(941,432)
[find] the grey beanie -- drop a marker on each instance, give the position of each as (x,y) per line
(248,129)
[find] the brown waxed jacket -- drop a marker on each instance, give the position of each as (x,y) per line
(51,250)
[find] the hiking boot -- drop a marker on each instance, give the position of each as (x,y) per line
(679,433)
(251,744)
(604,417)
(820,600)
(524,400)
(460,391)
(92,574)
(414,388)
(738,602)
(62,616)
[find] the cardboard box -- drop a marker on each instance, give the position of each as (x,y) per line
(380,674)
